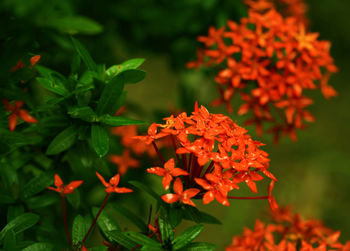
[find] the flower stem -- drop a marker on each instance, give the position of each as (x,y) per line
(65,219)
(158,152)
(97,215)
(175,148)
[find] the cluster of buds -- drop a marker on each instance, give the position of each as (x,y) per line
(213,156)
(269,61)
(288,232)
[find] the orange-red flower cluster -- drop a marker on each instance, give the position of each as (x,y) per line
(15,112)
(288,232)
(213,156)
(270,61)
(289,8)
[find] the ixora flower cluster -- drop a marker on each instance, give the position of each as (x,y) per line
(270,61)
(288,232)
(213,156)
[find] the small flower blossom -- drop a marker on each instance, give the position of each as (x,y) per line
(288,232)
(15,112)
(112,185)
(213,154)
(269,61)
(64,189)
(168,172)
(180,194)
(124,162)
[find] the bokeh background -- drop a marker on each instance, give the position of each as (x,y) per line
(313,173)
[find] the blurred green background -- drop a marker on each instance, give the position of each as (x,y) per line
(313,173)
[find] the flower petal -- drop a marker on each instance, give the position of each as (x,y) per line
(166,181)
(178,187)
(170,198)
(114,181)
(102,180)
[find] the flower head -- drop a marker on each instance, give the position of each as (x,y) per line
(212,154)
(112,185)
(288,232)
(269,61)
(125,161)
(64,189)
(15,112)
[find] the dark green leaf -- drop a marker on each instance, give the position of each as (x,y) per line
(187,236)
(53,86)
(99,248)
(10,241)
(37,184)
(40,246)
(84,113)
(41,201)
(175,216)
(75,66)
(119,121)
(6,199)
(149,248)
(165,227)
(143,240)
(131,217)
(84,54)
(106,223)
(79,229)
(62,141)
(74,199)
(121,238)
(127,65)
(144,188)
(19,224)
(192,213)
(99,140)
(133,76)
(207,218)
(199,246)
(110,96)
(73,25)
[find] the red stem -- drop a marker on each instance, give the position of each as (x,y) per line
(158,152)
(248,198)
(65,219)
(97,215)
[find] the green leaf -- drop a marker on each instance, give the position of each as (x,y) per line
(192,213)
(84,54)
(148,248)
(84,113)
(41,201)
(99,140)
(110,96)
(144,188)
(106,223)
(6,199)
(73,25)
(127,65)
(133,76)
(165,227)
(10,241)
(75,66)
(19,224)
(121,238)
(143,240)
(175,216)
(199,246)
(37,184)
(131,217)
(53,86)
(79,229)
(62,141)
(120,121)
(99,248)
(40,246)
(187,236)
(74,199)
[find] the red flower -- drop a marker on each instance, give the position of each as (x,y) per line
(17,112)
(124,162)
(287,233)
(180,194)
(34,60)
(168,172)
(65,189)
(111,187)
(211,151)
(270,61)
